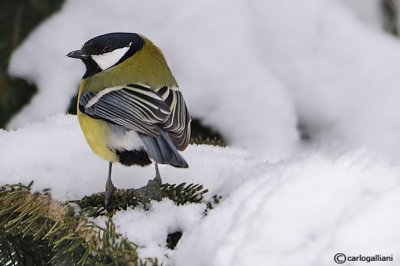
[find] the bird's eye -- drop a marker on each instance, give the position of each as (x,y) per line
(106,49)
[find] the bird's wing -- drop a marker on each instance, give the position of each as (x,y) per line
(178,122)
(134,106)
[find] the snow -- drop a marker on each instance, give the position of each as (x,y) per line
(149,229)
(301,210)
(367,11)
(343,75)
(255,71)
(56,155)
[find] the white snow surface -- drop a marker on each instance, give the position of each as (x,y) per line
(302,212)
(297,211)
(56,155)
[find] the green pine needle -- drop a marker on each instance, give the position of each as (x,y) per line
(123,199)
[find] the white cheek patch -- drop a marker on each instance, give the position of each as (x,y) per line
(107,60)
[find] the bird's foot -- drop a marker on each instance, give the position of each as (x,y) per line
(153,189)
(108,194)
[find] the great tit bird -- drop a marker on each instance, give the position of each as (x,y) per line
(129,106)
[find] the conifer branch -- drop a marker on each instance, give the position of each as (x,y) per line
(35,229)
(73,240)
(122,199)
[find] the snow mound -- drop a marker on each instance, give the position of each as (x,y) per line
(302,212)
(150,229)
(342,73)
(298,211)
(55,155)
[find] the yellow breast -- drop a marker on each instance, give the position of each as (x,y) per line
(96,132)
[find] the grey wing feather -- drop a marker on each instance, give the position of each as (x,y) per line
(178,123)
(162,150)
(134,107)
(160,117)
(142,109)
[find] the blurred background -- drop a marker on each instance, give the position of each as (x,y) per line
(270,76)
(18,19)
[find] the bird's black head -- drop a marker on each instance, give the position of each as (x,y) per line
(107,50)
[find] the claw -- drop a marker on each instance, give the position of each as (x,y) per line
(108,194)
(153,187)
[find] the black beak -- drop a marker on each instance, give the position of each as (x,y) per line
(78,54)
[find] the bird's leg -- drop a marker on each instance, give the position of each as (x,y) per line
(158,176)
(153,188)
(109,188)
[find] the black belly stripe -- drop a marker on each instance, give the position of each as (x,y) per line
(135,157)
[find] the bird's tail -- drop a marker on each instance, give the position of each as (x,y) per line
(162,150)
